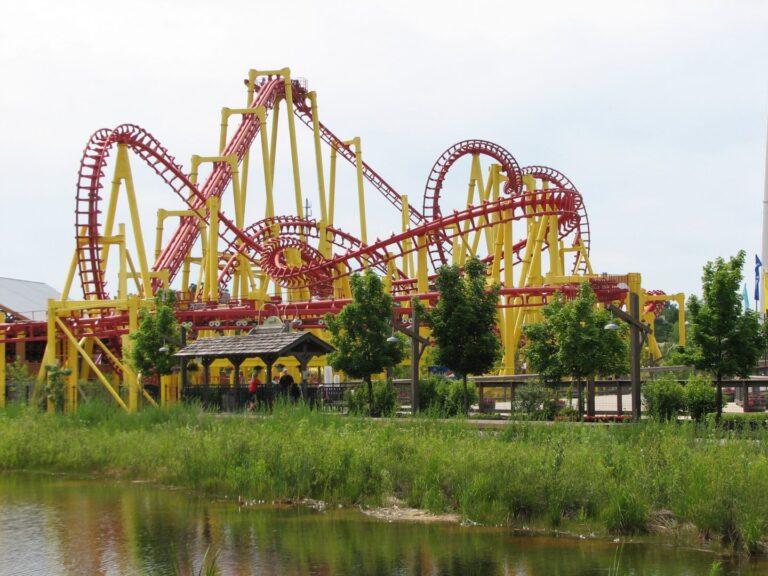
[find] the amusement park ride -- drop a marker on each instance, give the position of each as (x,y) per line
(528,223)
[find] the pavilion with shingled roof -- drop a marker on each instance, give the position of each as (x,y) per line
(263,342)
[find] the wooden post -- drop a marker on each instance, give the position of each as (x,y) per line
(590,397)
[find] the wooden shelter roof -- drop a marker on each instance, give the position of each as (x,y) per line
(258,344)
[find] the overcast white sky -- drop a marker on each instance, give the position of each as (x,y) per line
(656,110)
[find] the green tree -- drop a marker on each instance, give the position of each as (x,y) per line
(725,339)
(572,340)
(157,338)
(360,332)
(463,321)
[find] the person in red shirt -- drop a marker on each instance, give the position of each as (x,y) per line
(253,386)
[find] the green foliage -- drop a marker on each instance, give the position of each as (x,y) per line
(666,327)
(626,513)
(700,397)
(572,340)
(725,339)
(157,331)
(739,421)
(607,476)
(360,331)
(384,400)
(463,321)
(530,399)
(444,397)
(664,398)
(54,385)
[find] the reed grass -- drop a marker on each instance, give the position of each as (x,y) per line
(615,477)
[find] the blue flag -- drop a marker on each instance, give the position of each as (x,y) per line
(745,297)
(758,266)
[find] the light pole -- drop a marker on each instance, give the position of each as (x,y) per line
(637,331)
(418,345)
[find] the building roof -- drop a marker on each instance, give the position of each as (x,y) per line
(24,299)
(267,344)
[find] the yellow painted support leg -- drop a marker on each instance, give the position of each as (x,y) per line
(318,157)
(332,185)
(129,377)
(70,401)
(510,344)
(423,272)
(355,143)
(123,169)
(90,362)
(212,278)
(407,264)
(294,149)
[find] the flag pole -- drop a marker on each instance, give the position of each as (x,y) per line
(764,252)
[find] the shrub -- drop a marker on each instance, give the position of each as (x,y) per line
(664,398)
(444,397)
(536,401)
(738,421)
(384,400)
(700,397)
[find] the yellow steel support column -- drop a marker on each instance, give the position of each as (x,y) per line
(122,284)
(423,272)
(318,157)
(2,361)
(273,135)
(70,400)
(123,169)
(553,241)
(680,298)
(265,159)
(408,267)
(332,185)
(90,362)
(112,205)
(72,271)
(129,377)
(510,344)
(212,277)
(286,73)
(355,143)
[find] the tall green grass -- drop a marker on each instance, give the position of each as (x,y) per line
(620,477)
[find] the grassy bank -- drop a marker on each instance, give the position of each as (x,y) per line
(625,479)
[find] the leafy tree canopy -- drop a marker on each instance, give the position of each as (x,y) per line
(464,319)
(158,330)
(360,331)
(725,339)
(572,340)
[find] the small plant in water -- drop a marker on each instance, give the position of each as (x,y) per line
(613,569)
(208,566)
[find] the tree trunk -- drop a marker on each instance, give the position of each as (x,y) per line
(466,395)
(719,398)
(370,394)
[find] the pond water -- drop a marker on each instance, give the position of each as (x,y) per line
(53,525)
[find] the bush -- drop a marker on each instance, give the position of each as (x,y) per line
(700,397)
(444,397)
(739,422)
(664,398)
(384,400)
(530,399)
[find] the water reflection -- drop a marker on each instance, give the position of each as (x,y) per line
(50,525)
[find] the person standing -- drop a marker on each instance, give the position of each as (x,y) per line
(286,383)
(253,389)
